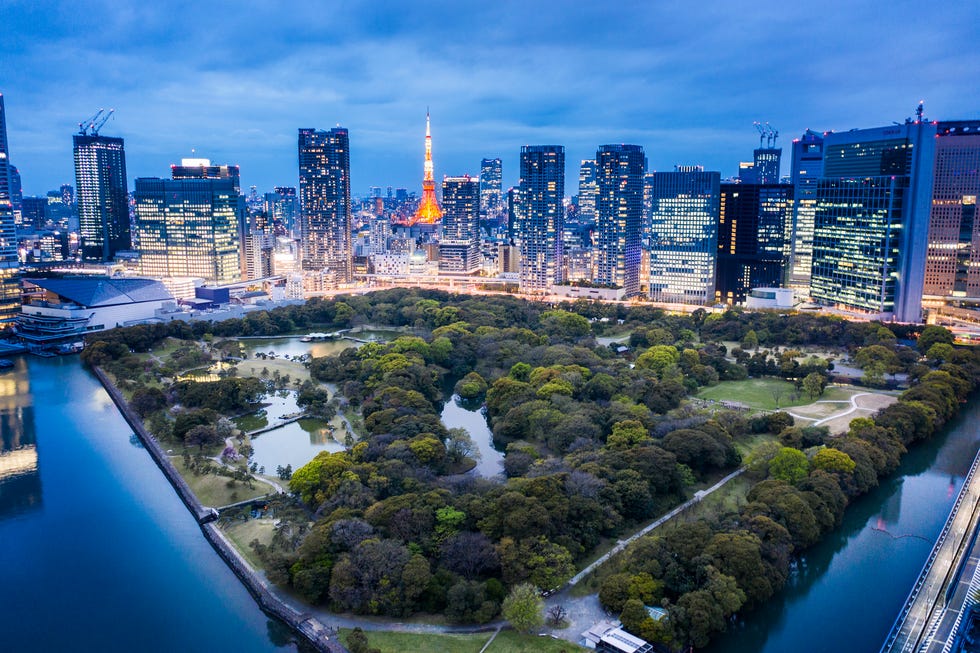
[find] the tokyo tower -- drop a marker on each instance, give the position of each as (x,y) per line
(428,211)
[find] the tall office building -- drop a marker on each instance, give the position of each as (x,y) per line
(619,209)
(541,217)
(9,266)
(103,196)
(804,176)
(953,259)
(324,190)
(17,196)
(188,228)
(34,212)
(683,235)
(588,190)
(203,169)
(459,247)
(766,162)
(491,178)
(282,205)
(754,223)
(871,224)
(513,206)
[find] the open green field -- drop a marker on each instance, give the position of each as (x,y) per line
(213,490)
(763,393)
(243,532)
(254,366)
(507,641)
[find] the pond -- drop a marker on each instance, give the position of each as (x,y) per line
(294,346)
(459,413)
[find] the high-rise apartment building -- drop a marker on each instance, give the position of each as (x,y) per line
(804,176)
(459,247)
(491,179)
(619,210)
(953,259)
(9,265)
(588,190)
(282,205)
(683,235)
(103,196)
(324,189)
(754,224)
(871,224)
(188,228)
(541,217)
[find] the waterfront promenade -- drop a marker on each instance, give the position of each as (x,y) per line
(933,610)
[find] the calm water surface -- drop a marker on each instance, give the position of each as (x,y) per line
(853,584)
(98,553)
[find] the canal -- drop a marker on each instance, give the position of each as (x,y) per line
(98,551)
(849,588)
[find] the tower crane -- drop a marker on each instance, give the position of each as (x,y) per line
(85,125)
(97,126)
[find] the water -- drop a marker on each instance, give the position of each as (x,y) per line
(294,346)
(457,413)
(855,582)
(99,554)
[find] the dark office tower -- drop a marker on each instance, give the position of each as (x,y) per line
(491,178)
(541,217)
(588,190)
(459,247)
(203,169)
(283,206)
(804,176)
(766,162)
(953,260)
(513,206)
(9,282)
(34,212)
(871,226)
(17,196)
(188,228)
(619,210)
(683,235)
(753,238)
(324,191)
(103,196)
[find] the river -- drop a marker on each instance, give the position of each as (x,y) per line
(852,585)
(98,553)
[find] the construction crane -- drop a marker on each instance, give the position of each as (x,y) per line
(767,135)
(85,125)
(97,126)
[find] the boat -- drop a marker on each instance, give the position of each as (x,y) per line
(67,348)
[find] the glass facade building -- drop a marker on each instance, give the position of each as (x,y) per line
(491,180)
(102,195)
(872,218)
(588,190)
(188,228)
(754,223)
(459,246)
(540,217)
(324,190)
(953,258)
(619,208)
(684,209)
(9,265)
(806,172)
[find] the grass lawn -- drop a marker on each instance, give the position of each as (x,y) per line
(242,533)
(213,490)
(760,394)
(254,366)
(507,641)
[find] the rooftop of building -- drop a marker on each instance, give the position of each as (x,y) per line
(103,291)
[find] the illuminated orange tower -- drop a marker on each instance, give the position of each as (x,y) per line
(428,211)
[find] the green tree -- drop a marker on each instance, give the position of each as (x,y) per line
(931,335)
(523,608)
(814,384)
(940,352)
(789,465)
(750,340)
(833,460)
(627,434)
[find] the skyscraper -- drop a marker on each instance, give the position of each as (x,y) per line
(283,206)
(16,196)
(753,238)
(491,178)
(541,217)
(188,228)
(953,260)
(9,282)
(324,189)
(588,190)
(103,196)
(871,224)
(684,235)
(619,209)
(459,247)
(806,172)
(428,211)
(766,162)
(203,169)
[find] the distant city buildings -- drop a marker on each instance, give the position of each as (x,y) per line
(324,187)
(683,235)
(9,262)
(540,216)
(619,210)
(491,178)
(588,190)
(103,196)
(459,247)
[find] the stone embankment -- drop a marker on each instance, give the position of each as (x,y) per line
(308,626)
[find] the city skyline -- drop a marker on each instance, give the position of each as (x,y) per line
(690,98)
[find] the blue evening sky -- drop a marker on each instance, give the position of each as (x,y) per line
(684,79)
